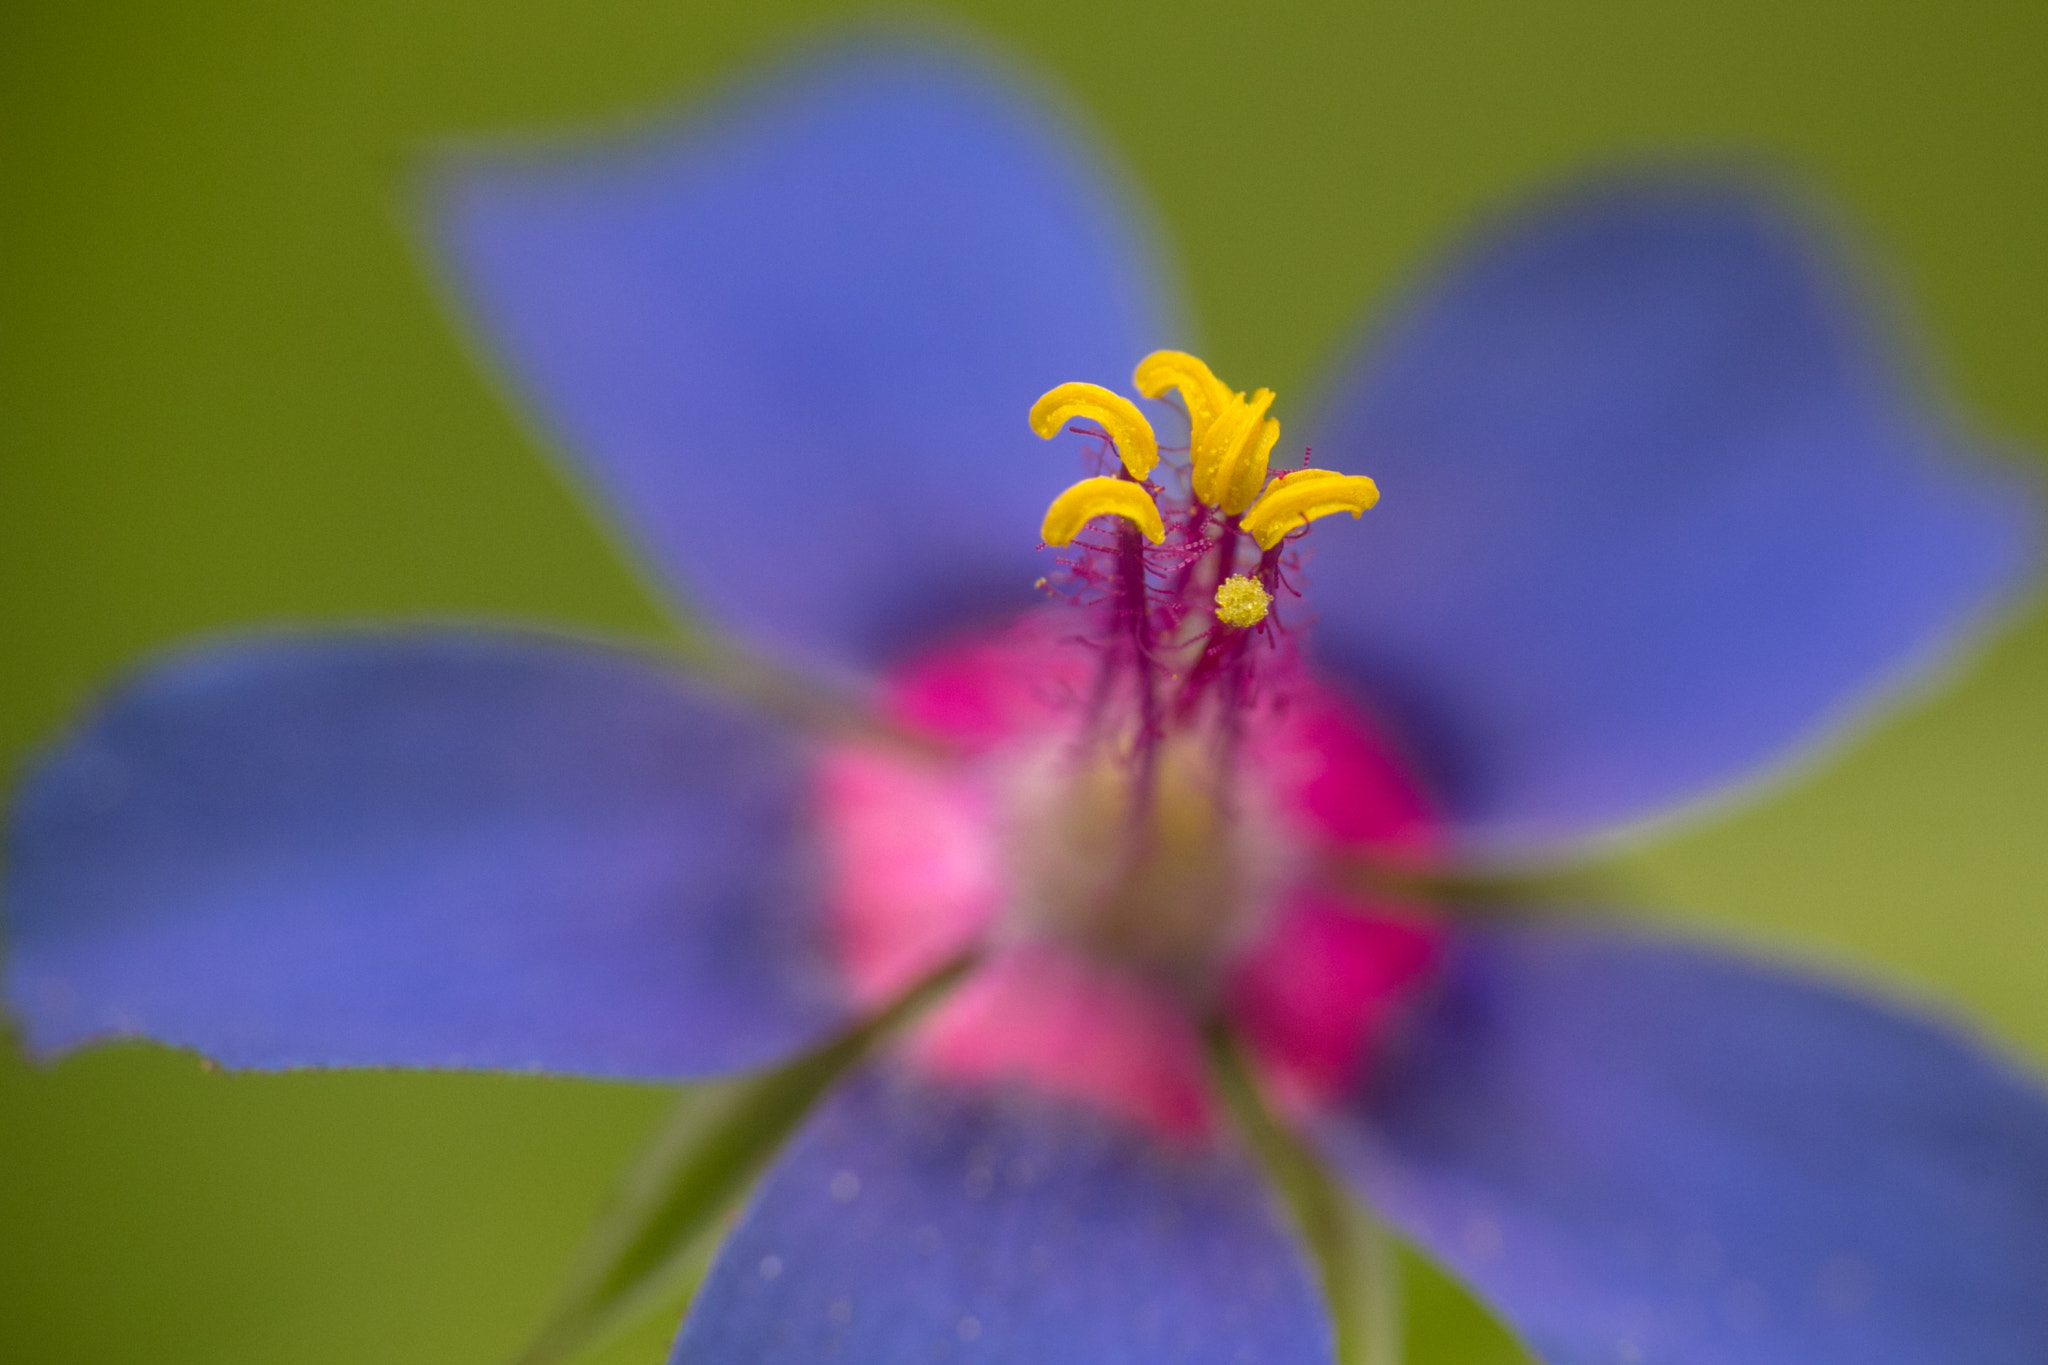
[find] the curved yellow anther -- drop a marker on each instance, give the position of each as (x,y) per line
(1242,601)
(1229,436)
(1204,394)
(1102,497)
(1299,498)
(1230,458)
(1113,412)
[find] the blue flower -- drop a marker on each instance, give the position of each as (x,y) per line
(1656,516)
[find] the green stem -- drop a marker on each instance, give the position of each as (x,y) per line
(657,1239)
(1359,1260)
(1375,1268)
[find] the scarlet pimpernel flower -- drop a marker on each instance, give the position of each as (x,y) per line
(1091,879)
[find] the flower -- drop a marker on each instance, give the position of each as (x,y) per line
(1656,513)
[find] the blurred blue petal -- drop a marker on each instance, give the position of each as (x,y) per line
(1639,1151)
(419,850)
(1656,512)
(922,1221)
(795,339)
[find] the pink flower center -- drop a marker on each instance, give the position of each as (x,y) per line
(1151,804)
(1098,964)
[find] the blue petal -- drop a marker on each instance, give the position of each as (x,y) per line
(1657,509)
(796,339)
(419,850)
(918,1221)
(1647,1152)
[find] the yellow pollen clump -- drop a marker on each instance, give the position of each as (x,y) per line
(1242,601)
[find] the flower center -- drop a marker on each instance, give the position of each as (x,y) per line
(1168,877)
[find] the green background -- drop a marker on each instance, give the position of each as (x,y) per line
(227,397)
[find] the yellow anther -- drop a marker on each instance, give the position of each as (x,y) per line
(1230,457)
(1113,412)
(1104,497)
(1242,601)
(1204,394)
(1299,498)
(1229,436)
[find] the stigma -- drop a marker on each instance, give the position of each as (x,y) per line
(1241,601)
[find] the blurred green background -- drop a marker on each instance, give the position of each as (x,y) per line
(227,397)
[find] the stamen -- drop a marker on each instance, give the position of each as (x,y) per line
(1295,500)
(1204,394)
(1101,497)
(1242,601)
(1229,435)
(1230,458)
(1181,614)
(1178,617)
(1119,416)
